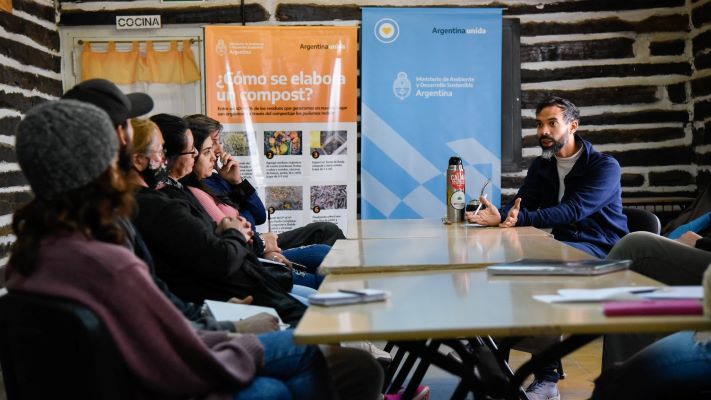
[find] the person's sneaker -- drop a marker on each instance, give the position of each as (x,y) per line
(379,354)
(543,390)
(422,393)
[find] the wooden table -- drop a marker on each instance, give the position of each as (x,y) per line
(431,308)
(455,246)
(458,303)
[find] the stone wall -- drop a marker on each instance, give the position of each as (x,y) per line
(700,87)
(639,69)
(29,75)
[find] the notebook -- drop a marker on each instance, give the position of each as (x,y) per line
(348,297)
(556,267)
(653,307)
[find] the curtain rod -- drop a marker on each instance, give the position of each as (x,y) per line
(81,41)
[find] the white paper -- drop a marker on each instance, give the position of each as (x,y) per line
(223,311)
(677,292)
(595,295)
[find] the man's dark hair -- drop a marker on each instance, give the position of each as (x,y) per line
(570,111)
(202,124)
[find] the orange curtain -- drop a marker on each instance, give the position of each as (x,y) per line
(117,66)
(128,67)
(171,66)
(6,5)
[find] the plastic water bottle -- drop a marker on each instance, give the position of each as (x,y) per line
(455,190)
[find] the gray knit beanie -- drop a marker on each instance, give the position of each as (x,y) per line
(63,145)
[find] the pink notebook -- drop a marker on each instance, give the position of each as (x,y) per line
(653,307)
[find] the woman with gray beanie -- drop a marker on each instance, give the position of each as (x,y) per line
(68,245)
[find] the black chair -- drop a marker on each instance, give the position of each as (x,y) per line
(639,219)
(56,348)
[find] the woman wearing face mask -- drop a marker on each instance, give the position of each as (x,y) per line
(148,153)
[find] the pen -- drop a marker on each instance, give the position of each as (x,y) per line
(640,291)
(357,292)
(269,221)
(479,207)
(300,267)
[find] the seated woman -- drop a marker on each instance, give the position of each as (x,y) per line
(309,256)
(69,245)
(228,184)
(175,131)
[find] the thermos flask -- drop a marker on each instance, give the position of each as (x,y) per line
(455,190)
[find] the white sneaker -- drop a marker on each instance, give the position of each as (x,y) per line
(543,390)
(379,354)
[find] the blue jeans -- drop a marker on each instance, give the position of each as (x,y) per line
(310,257)
(289,372)
(676,367)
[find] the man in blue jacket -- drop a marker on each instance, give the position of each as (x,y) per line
(571,187)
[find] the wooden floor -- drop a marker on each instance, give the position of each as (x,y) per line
(581,369)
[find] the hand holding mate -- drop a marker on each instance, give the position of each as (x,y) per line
(488,216)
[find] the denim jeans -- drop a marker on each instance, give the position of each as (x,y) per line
(289,372)
(676,367)
(310,257)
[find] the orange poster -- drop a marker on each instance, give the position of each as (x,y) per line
(287,98)
(281,73)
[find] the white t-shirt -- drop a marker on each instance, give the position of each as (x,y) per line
(564,166)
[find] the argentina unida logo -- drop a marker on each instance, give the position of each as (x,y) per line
(386,30)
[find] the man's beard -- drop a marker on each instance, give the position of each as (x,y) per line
(549,152)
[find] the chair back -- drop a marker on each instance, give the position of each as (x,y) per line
(639,219)
(56,348)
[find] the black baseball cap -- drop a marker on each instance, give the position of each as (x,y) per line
(107,96)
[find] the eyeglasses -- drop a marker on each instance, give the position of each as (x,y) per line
(192,152)
(162,152)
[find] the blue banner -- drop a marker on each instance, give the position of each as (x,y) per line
(431,89)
